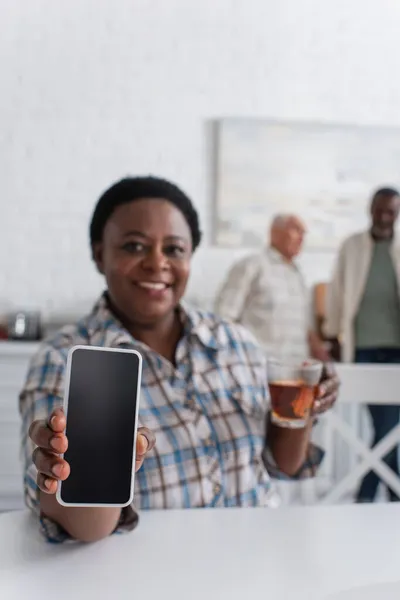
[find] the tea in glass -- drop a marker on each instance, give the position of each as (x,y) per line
(293,387)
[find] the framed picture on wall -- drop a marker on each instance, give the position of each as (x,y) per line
(323,173)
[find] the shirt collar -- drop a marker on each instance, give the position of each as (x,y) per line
(105,329)
(273,253)
(202,326)
(277,257)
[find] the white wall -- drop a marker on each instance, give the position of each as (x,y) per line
(94,89)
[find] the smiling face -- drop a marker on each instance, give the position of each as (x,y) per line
(145,257)
(384,213)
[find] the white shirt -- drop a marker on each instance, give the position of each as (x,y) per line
(268,295)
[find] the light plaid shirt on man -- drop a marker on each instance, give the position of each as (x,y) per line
(208,413)
(268,295)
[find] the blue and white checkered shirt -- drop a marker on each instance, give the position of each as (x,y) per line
(208,414)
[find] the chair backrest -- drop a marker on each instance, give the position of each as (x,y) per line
(369,383)
(319,295)
(319,299)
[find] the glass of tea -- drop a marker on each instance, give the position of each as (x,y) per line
(292,387)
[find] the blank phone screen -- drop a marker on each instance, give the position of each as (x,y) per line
(101,426)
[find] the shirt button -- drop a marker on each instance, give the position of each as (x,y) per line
(216,489)
(191,404)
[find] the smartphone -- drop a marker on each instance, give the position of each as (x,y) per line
(101,403)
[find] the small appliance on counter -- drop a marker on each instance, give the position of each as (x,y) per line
(24,325)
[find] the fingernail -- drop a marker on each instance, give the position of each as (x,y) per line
(57,470)
(48,483)
(144,444)
(55,443)
(53,421)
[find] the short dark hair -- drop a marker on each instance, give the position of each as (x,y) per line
(385,192)
(130,189)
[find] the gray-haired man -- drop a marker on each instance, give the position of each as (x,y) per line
(267,294)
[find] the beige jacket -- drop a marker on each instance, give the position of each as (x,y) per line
(346,289)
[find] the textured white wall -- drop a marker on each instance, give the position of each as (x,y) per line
(93,90)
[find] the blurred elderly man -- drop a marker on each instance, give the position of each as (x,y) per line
(267,294)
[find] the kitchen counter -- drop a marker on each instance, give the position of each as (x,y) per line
(10,348)
(14,361)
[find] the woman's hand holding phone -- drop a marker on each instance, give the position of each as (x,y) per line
(51,441)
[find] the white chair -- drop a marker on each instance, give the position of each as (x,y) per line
(360,384)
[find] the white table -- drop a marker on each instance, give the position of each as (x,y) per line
(305,553)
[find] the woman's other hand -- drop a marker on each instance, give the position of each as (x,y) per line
(328,389)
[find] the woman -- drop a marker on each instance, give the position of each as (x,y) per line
(204,392)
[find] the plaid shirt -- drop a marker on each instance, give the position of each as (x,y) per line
(208,414)
(269,297)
